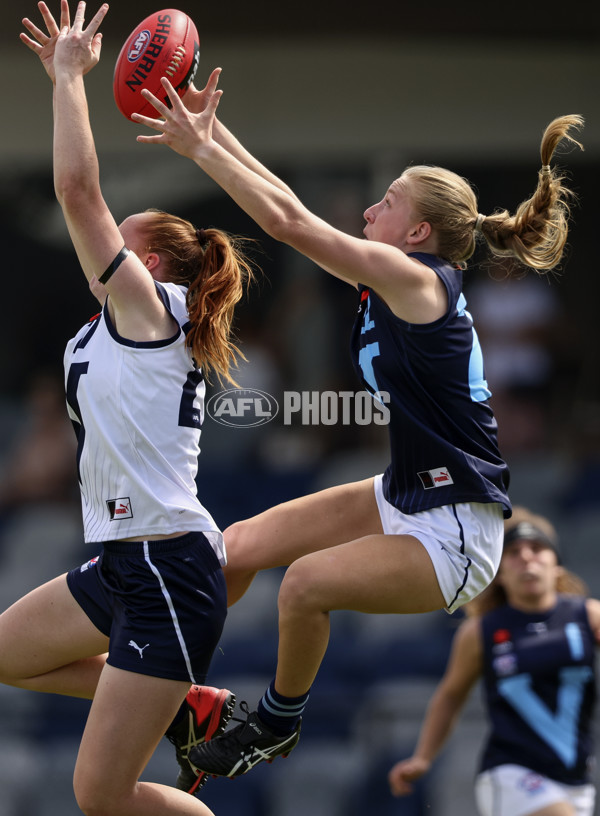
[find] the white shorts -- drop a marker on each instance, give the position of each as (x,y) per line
(511,790)
(464,542)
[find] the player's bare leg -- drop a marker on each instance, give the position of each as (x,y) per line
(48,643)
(382,574)
(129,715)
(282,534)
(374,574)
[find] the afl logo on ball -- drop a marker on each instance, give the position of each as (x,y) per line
(139,45)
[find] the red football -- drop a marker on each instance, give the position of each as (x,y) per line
(164,44)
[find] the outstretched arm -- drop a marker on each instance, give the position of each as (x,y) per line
(464,667)
(73,143)
(269,201)
(196,101)
(76,172)
(68,52)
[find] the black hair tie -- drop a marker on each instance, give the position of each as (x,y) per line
(202,236)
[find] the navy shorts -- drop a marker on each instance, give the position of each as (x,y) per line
(162,604)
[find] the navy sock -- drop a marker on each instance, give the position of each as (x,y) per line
(280,714)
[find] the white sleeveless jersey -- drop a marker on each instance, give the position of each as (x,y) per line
(137,409)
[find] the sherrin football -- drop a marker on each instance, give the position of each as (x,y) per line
(164,44)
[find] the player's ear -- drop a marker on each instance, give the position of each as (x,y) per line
(419,232)
(152,261)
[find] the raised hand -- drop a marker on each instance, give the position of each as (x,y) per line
(78,48)
(180,129)
(43,44)
(195,100)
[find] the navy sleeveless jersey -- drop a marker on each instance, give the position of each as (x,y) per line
(442,430)
(540,690)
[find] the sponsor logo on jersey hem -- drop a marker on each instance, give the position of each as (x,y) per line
(438,477)
(119,508)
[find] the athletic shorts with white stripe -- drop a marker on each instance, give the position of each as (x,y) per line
(162,604)
(464,542)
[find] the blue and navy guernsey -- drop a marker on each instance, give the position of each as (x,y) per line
(540,690)
(443,433)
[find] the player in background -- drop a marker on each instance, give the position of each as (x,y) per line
(531,638)
(427,534)
(154,601)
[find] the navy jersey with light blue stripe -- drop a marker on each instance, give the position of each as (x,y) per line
(442,430)
(540,690)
